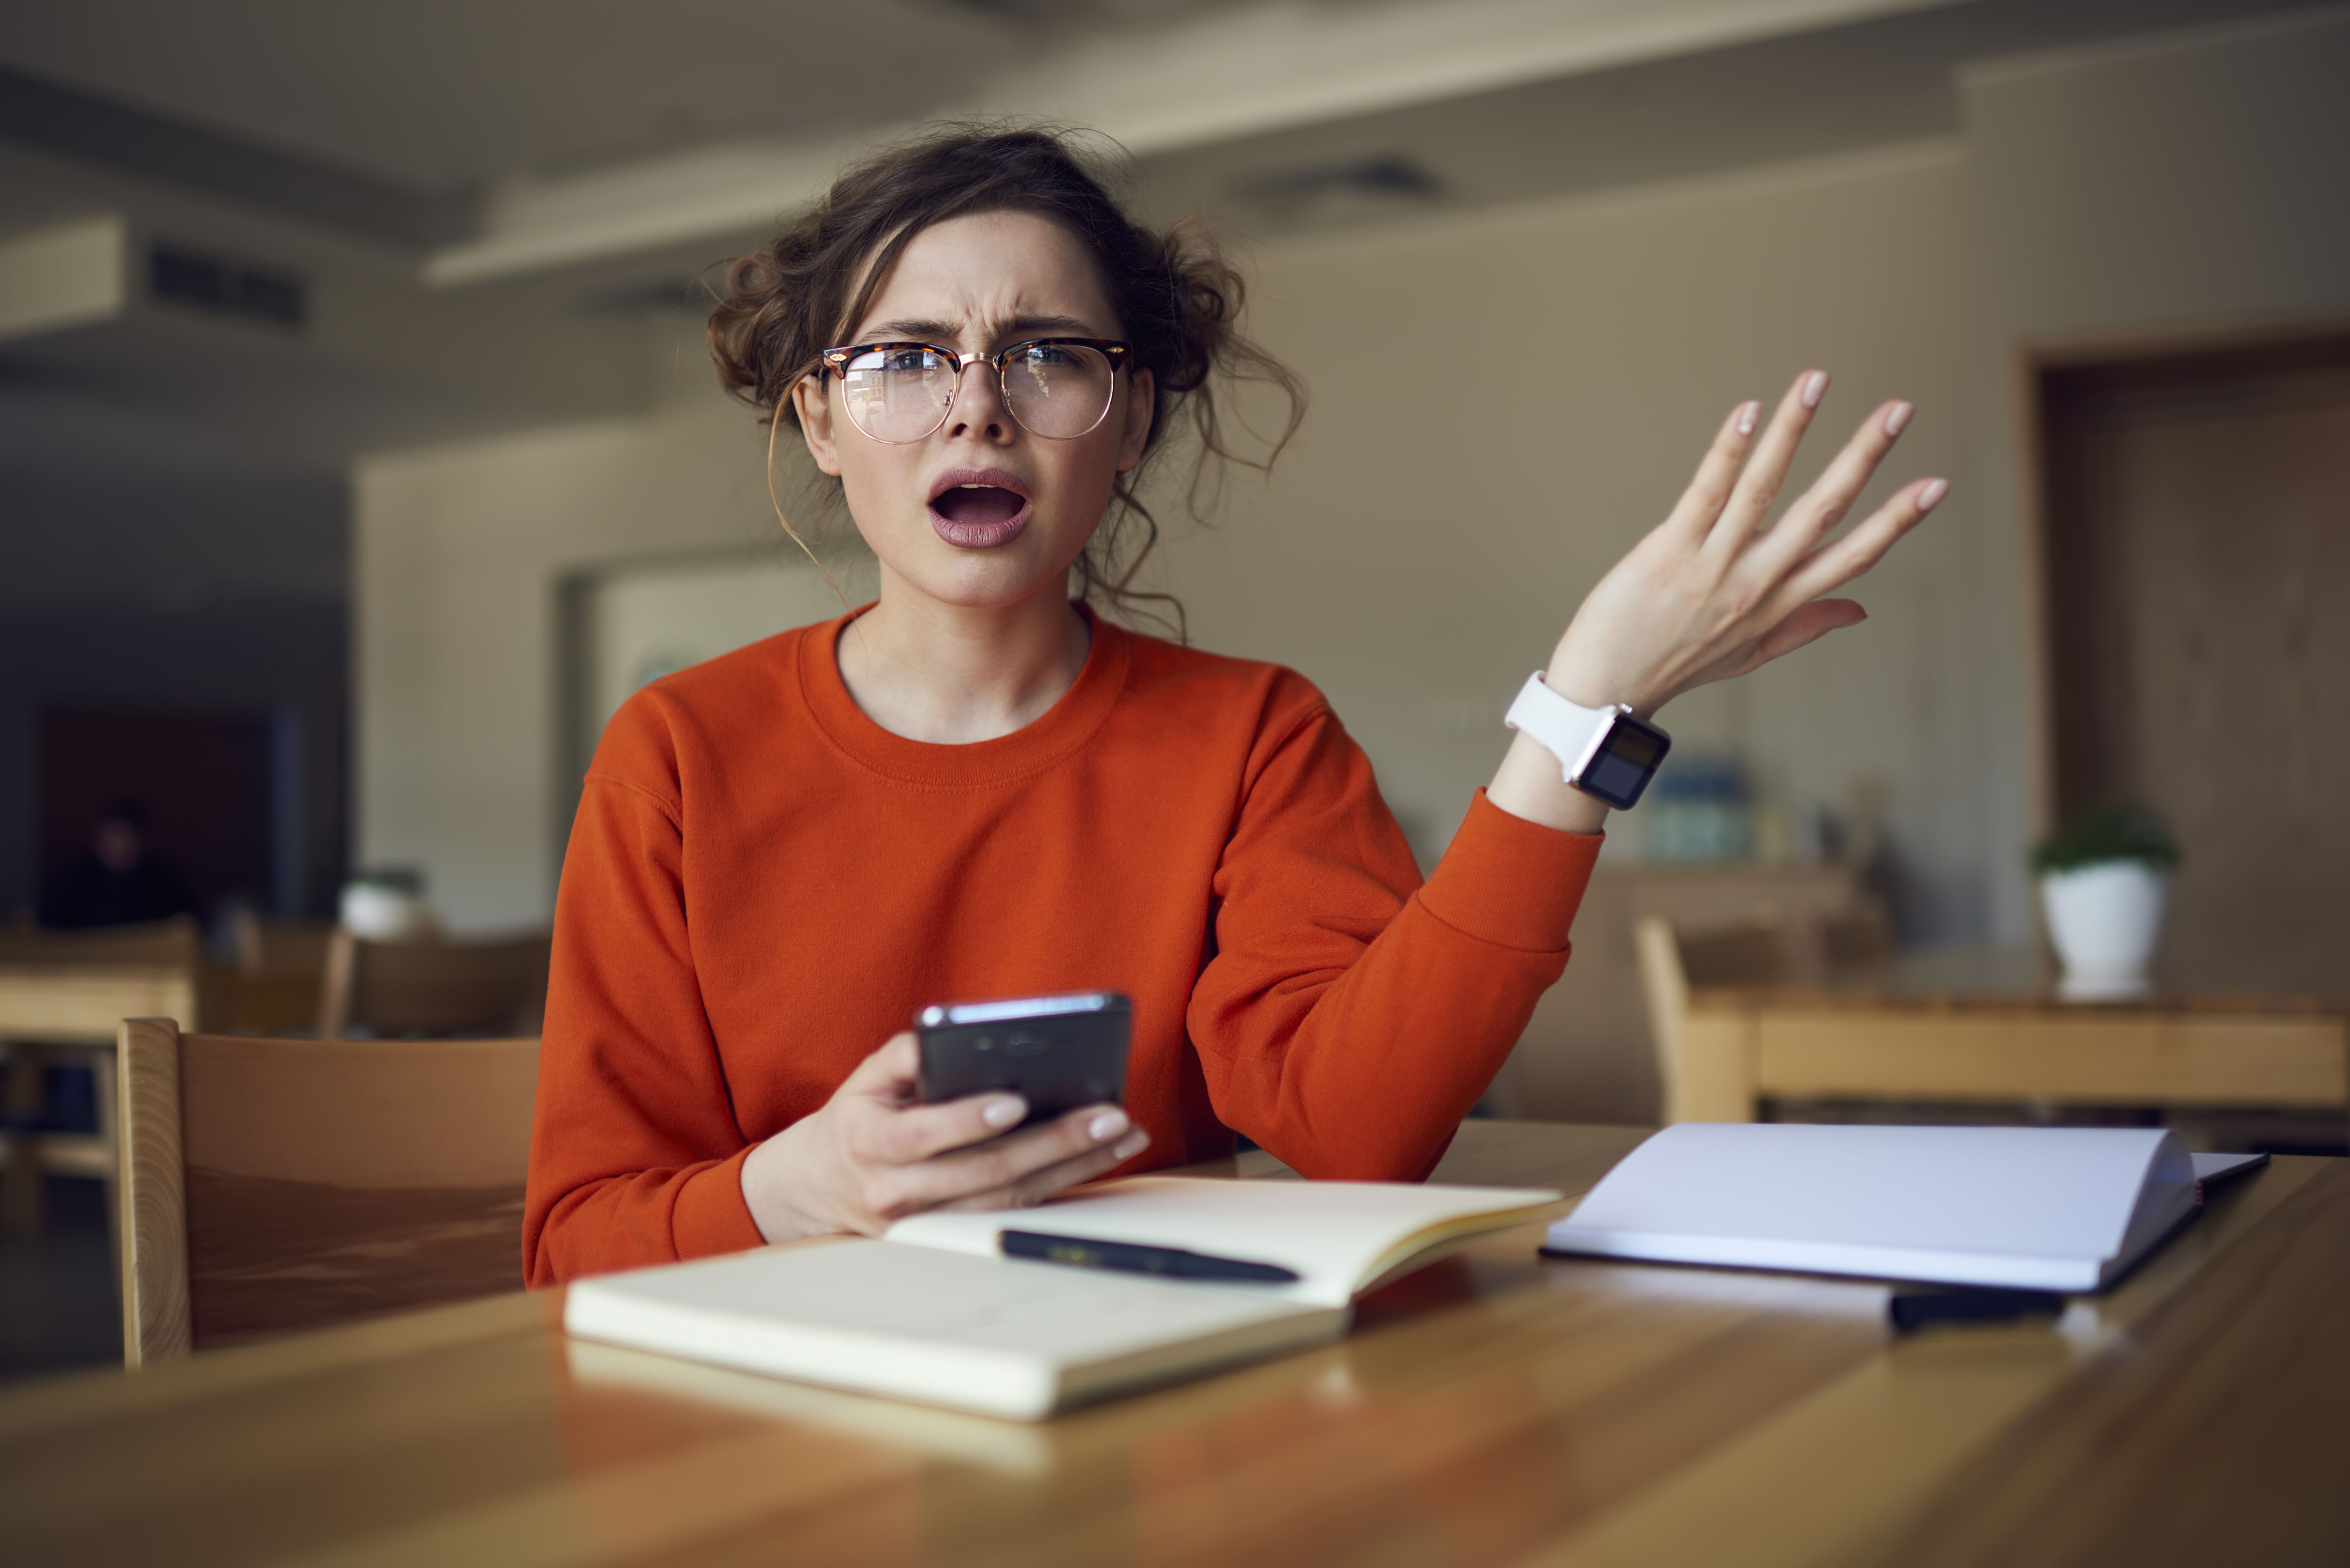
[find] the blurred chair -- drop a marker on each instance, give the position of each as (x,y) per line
(266,945)
(1756,951)
(274,984)
(270,1186)
(432,987)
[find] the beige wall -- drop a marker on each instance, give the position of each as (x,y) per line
(1503,403)
(459,550)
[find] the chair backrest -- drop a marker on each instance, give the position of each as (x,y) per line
(269,946)
(1755,951)
(274,1185)
(433,987)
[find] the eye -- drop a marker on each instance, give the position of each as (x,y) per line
(1051,356)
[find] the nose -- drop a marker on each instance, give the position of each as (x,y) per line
(979,409)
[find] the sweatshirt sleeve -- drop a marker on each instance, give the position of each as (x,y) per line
(636,1157)
(1350,1017)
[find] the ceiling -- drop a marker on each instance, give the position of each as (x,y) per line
(446,95)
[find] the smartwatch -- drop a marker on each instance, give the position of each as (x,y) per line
(1604,751)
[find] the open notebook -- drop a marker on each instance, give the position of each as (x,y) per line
(934,1313)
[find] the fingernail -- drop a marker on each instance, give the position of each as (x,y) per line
(1896,418)
(1133,1144)
(1003,1112)
(1932,496)
(1107,1126)
(1747,414)
(1815,386)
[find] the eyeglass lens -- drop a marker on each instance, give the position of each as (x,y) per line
(902,393)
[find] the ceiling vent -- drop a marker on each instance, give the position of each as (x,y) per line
(224,285)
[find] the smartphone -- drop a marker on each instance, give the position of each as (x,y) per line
(1058,1053)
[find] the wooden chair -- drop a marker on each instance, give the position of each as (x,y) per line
(275,984)
(432,987)
(1756,951)
(276,1185)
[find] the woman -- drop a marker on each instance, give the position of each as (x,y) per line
(976,788)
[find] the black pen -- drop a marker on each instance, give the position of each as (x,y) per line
(1912,1309)
(1132,1256)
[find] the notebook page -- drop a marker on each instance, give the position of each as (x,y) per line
(1336,1234)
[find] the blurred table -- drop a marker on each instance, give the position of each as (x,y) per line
(1984,1025)
(1495,1408)
(71,1011)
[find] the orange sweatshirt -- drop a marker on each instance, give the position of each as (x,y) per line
(764,885)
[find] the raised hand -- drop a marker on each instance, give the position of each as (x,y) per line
(1713,592)
(874,1154)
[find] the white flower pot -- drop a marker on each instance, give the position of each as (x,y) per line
(2105,919)
(380,914)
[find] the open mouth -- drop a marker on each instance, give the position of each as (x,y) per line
(979,509)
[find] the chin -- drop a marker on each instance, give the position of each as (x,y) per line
(982,579)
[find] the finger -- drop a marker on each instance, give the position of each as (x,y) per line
(1839,561)
(1717,472)
(1821,508)
(1039,1184)
(892,1070)
(1758,487)
(1807,624)
(1003,1162)
(909,1135)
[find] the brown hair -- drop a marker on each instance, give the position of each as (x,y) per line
(1177,300)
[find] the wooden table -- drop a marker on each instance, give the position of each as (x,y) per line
(1496,1409)
(1972,1025)
(71,1012)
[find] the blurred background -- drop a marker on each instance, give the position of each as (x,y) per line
(358,453)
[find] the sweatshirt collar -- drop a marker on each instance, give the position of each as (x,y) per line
(1061,730)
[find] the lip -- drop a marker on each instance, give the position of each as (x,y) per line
(980,535)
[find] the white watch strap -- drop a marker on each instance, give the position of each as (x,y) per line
(1568,731)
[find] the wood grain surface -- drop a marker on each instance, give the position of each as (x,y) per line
(1498,1407)
(152,1232)
(280,1185)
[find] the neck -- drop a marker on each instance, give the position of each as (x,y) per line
(954,674)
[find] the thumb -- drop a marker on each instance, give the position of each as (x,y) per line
(890,1074)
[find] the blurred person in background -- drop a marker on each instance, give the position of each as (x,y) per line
(119,880)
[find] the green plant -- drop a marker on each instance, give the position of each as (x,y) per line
(2113,830)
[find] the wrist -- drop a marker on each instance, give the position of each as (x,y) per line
(768,1191)
(1528,785)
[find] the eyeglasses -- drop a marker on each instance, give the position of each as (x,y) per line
(1059,387)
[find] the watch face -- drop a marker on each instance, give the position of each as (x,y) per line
(1627,760)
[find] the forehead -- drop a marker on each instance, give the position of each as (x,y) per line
(985,268)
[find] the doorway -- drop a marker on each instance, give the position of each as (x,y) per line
(214,789)
(2196,558)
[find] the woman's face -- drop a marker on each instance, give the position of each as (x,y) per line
(982,513)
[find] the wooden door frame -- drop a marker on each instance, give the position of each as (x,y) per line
(2029,361)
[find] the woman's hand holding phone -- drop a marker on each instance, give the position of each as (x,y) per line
(875,1154)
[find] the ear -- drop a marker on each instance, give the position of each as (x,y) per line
(1141,398)
(815,410)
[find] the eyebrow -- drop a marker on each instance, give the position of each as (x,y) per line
(1018,327)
